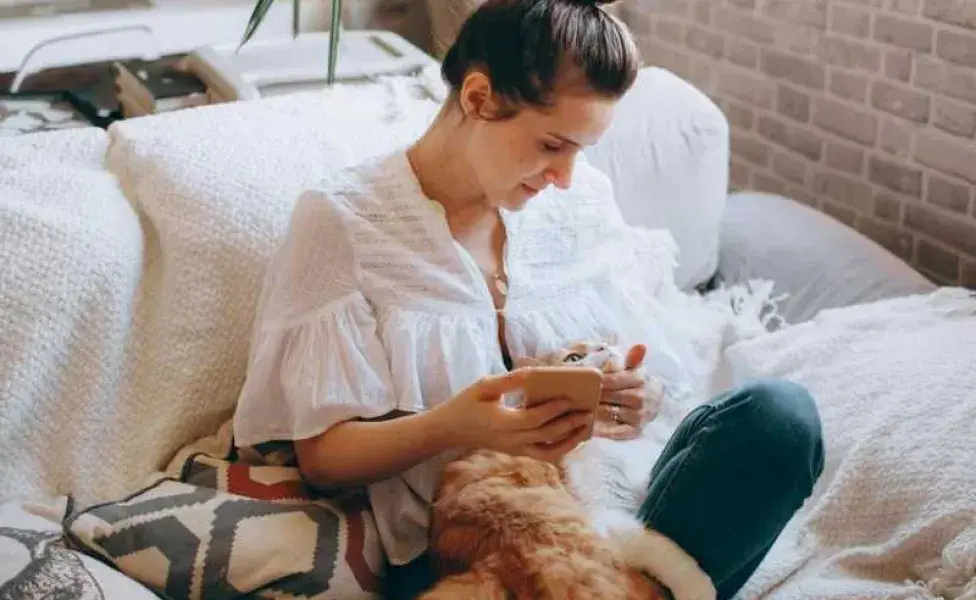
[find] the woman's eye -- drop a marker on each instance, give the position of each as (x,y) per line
(551,146)
(574,357)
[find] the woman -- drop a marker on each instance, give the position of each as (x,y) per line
(387,326)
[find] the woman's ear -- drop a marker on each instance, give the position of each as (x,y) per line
(477,98)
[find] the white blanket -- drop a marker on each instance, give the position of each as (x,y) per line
(894,515)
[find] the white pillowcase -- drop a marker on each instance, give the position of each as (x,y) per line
(667,154)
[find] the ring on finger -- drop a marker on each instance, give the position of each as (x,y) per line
(615,413)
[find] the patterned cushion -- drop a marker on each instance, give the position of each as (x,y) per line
(37,564)
(225,528)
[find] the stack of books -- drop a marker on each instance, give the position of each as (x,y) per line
(146,88)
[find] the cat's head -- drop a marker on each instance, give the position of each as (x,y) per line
(603,355)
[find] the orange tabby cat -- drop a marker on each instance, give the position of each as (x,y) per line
(507,526)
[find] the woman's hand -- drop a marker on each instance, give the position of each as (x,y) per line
(476,418)
(624,406)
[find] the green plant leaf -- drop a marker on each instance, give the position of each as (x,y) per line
(296,17)
(334,31)
(257,16)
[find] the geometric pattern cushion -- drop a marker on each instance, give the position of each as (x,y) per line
(224,528)
(36,563)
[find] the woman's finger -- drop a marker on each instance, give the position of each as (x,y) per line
(559,428)
(553,452)
(493,386)
(631,398)
(614,413)
(622,380)
(539,415)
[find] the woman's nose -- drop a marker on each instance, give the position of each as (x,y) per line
(560,173)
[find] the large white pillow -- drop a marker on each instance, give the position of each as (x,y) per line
(895,382)
(70,260)
(667,154)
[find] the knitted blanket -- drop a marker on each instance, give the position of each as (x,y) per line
(894,515)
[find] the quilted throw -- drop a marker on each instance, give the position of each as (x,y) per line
(228,525)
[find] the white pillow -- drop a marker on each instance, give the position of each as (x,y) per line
(667,154)
(70,261)
(894,381)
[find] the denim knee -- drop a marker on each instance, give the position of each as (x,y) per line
(779,417)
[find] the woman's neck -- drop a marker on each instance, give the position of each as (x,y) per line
(440,165)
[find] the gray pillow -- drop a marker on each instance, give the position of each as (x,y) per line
(820,262)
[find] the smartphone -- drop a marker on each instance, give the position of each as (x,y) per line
(582,386)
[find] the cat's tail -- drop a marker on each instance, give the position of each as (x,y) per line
(473,585)
(653,553)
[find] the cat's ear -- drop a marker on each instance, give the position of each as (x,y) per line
(526,361)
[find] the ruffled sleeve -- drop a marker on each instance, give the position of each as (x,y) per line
(315,358)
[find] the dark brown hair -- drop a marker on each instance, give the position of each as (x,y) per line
(525,47)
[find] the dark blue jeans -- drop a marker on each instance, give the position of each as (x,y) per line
(734,472)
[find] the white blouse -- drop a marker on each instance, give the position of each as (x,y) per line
(370,306)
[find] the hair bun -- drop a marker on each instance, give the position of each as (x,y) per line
(592,2)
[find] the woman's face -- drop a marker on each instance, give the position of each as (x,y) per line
(514,159)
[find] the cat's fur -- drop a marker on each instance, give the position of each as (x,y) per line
(517,527)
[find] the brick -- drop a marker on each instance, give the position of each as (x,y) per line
(664,56)
(803,196)
(888,207)
(955,232)
(703,12)
(954,117)
(947,155)
(841,213)
(947,194)
(705,42)
(673,7)
(739,174)
(898,65)
(806,12)
(908,7)
(895,139)
(746,25)
(846,121)
(750,149)
(669,31)
(937,76)
(797,70)
(797,39)
(764,182)
(703,75)
(905,33)
(849,54)
(896,177)
(740,116)
(844,190)
(955,12)
(750,4)
(747,88)
(843,157)
(742,52)
(898,241)
(937,260)
(848,85)
(959,48)
(793,104)
(790,168)
(850,20)
(792,138)
(901,101)
(969,274)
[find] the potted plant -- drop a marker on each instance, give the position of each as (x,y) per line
(261,8)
